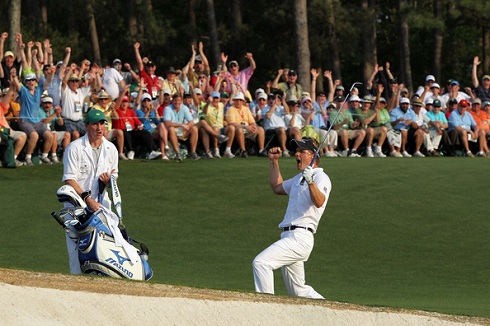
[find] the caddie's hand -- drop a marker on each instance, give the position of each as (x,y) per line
(308,174)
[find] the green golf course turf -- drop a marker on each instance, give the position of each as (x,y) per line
(405,233)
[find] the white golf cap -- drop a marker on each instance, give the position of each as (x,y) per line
(239,96)
(262,96)
(197,91)
(354,98)
(404,100)
(430,77)
(145,96)
(46,99)
(259,90)
(436,85)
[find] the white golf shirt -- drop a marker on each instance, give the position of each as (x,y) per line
(301,211)
(79,165)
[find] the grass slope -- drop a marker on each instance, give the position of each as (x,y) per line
(405,233)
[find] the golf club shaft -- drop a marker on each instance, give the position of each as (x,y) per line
(330,128)
(332,123)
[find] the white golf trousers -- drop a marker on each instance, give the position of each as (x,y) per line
(289,253)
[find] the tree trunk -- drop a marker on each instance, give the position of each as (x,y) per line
(235,23)
(302,46)
(213,32)
(369,52)
(132,20)
(332,42)
(192,20)
(436,64)
(94,37)
(44,17)
(406,69)
(14,17)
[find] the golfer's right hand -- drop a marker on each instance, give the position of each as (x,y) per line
(275,153)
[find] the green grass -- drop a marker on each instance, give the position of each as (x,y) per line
(404,233)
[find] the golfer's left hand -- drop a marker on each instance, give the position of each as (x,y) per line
(308,174)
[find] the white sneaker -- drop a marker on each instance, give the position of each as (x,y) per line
(418,154)
(286,153)
(354,154)
(222,138)
(154,154)
(55,159)
(229,154)
(379,154)
(123,157)
(209,155)
(396,154)
(405,154)
(131,155)
(29,162)
(46,160)
(369,152)
(345,152)
(216,153)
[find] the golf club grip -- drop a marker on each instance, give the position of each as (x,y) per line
(101,190)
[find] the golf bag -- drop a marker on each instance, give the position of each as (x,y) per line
(102,248)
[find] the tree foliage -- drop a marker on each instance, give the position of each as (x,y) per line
(166,30)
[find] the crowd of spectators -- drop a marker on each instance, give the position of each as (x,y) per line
(198,112)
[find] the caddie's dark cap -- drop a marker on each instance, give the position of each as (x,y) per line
(306,143)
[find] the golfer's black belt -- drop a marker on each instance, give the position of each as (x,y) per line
(292,227)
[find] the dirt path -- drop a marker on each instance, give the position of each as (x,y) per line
(29,298)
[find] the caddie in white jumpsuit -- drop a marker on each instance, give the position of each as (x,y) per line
(308,195)
(86,160)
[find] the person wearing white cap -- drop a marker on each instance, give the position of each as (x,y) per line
(212,125)
(239,117)
(29,120)
(404,120)
(274,123)
(51,116)
(435,94)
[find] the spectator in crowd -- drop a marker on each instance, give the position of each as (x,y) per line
(347,128)
(212,124)
(148,115)
(403,119)
(19,136)
(454,92)
(173,83)
(274,124)
(134,134)
(437,129)
(317,120)
(30,122)
(54,122)
(482,91)
(72,98)
(294,119)
(111,81)
(382,119)
(241,77)
(147,71)
(367,115)
(198,65)
(8,62)
(452,105)
(180,125)
(291,87)
(240,117)
(422,134)
(482,120)
(435,95)
(463,128)
(126,75)
(54,89)
(108,107)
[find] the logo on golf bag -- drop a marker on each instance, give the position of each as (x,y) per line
(117,265)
